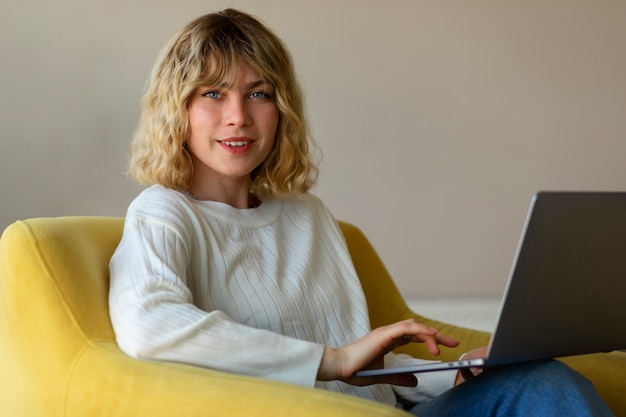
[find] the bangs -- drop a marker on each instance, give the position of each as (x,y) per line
(219,69)
(223,51)
(226,71)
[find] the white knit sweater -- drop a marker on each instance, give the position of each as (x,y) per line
(257,292)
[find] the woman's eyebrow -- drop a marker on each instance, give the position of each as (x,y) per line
(251,84)
(257,83)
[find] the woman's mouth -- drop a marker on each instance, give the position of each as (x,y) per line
(236,145)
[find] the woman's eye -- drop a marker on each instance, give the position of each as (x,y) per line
(212,94)
(261,94)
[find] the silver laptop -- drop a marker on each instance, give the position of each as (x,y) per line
(566,293)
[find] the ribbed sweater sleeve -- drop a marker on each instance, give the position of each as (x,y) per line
(154,315)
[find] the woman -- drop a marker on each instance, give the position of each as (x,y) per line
(228,262)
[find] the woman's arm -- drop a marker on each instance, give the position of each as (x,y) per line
(154,317)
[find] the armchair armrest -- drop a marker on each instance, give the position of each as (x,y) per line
(105,382)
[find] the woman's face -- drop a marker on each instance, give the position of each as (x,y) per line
(232,128)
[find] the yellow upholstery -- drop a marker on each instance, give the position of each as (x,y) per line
(58,355)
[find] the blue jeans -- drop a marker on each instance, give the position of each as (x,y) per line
(541,389)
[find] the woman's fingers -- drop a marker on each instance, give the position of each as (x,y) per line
(368,353)
(429,336)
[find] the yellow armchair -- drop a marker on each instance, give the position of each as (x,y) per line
(58,355)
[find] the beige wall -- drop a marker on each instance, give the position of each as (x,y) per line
(437,119)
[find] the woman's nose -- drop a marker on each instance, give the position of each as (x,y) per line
(237,113)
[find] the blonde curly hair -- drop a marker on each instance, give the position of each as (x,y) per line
(206,52)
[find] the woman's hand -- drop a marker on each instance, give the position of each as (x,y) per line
(369,352)
(467,373)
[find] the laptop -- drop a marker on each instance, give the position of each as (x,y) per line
(566,293)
